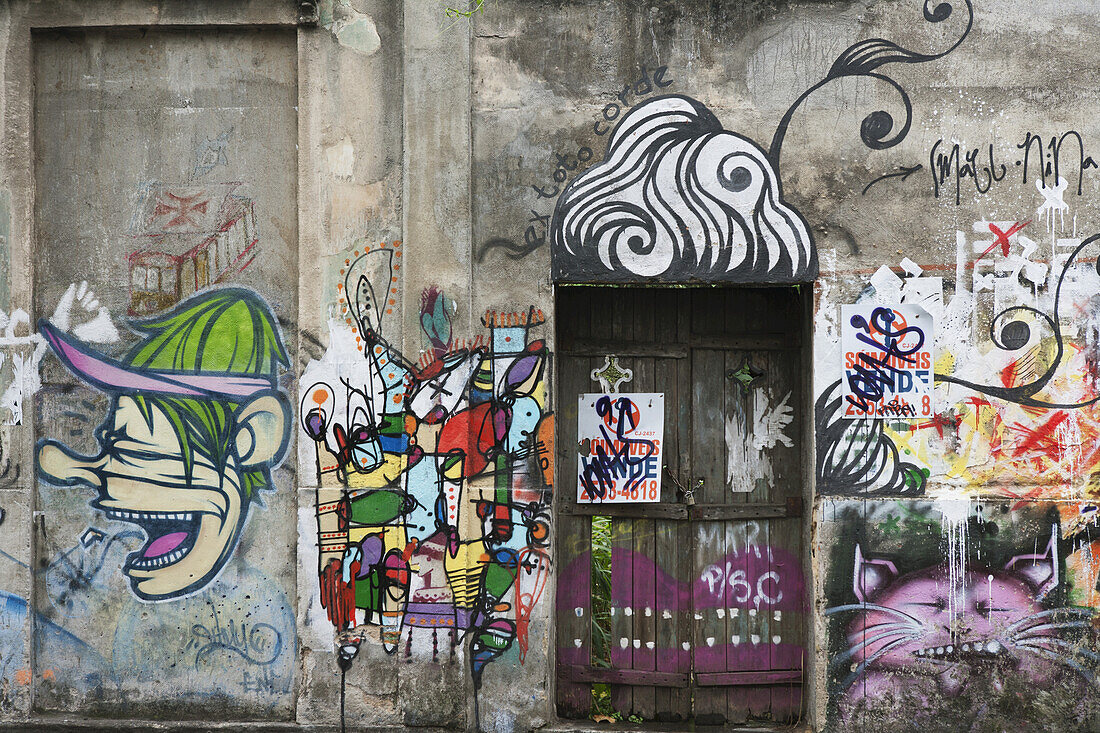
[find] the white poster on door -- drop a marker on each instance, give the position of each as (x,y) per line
(619,443)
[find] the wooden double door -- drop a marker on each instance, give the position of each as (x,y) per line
(688,609)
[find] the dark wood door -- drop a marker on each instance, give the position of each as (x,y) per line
(697,610)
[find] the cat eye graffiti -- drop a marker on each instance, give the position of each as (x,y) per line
(194,428)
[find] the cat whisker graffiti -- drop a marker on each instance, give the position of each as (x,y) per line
(1071,612)
(869,607)
(1044,627)
(1074,649)
(900,625)
(888,637)
(868,661)
(1062,659)
(956,621)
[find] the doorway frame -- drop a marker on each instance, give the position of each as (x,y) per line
(807,294)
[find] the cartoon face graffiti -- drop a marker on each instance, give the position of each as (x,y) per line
(195,426)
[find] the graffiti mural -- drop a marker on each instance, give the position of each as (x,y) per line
(946,611)
(78,311)
(675,196)
(435,479)
(1017,410)
(195,425)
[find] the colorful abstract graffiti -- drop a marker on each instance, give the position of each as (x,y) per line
(952,610)
(195,426)
(435,481)
(1017,408)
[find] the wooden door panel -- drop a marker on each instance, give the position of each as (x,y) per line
(644,560)
(707,604)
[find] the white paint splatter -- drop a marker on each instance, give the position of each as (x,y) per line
(771,421)
(78,312)
(748,438)
(1053,203)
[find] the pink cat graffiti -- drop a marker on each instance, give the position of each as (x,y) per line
(922,629)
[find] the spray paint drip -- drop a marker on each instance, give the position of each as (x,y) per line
(954,513)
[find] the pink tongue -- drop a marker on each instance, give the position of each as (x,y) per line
(165,544)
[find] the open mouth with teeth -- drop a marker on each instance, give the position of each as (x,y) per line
(170,537)
(979,650)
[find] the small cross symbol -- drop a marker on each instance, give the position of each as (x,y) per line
(611,375)
(438,386)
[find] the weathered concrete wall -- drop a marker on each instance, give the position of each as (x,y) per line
(363,509)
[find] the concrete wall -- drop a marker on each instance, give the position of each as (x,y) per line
(374,197)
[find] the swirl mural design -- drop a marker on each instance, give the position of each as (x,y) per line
(678,197)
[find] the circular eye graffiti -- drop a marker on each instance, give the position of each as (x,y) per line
(1015,335)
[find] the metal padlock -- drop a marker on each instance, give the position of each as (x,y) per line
(689,495)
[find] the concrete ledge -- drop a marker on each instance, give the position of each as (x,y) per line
(625,726)
(85,725)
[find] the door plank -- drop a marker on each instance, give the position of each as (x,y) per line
(711,633)
(788,615)
(645,600)
(708,462)
(645,566)
(618,303)
(574,545)
(622,625)
(674,538)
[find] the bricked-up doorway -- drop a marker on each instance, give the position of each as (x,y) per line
(166,190)
(688,611)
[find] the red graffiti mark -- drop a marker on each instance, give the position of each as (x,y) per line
(1041,439)
(531,575)
(180,208)
(338,597)
(978,403)
(994,434)
(1002,237)
(940,421)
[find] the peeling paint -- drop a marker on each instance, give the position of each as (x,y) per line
(352,29)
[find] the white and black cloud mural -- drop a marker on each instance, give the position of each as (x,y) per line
(677,197)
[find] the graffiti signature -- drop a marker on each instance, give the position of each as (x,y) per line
(259,644)
(872,373)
